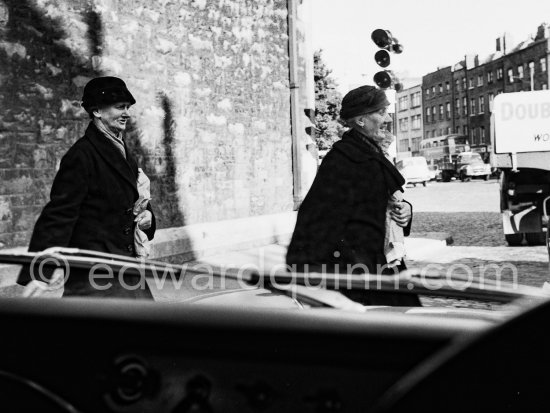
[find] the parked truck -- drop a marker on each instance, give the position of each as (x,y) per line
(466,166)
(452,157)
(521,150)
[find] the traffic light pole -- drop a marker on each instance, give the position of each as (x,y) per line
(385,41)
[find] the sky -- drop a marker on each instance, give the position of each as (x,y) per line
(434,33)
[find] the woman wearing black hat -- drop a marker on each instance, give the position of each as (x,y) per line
(342,222)
(94,191)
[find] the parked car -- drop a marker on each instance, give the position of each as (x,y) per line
(235,340)
(435,172)
(414,170)
(471,165)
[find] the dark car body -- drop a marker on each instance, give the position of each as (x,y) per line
(253,342)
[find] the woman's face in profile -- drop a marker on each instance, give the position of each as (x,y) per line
(375,123)
(114,116)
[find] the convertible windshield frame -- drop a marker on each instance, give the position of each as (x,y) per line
(306,285)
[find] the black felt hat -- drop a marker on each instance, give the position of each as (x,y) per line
(363,100)
(105,90)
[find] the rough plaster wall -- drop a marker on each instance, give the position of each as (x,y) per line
(211,126)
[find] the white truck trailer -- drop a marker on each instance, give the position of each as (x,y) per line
(521,150)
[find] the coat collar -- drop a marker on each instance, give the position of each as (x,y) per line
(127,168)
(353,147)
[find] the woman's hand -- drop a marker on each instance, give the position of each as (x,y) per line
(144,220)
(401,213)
(38,288)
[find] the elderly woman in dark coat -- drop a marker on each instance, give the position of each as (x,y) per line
(94,191)
(341,223)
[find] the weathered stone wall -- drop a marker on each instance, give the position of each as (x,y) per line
(211,126)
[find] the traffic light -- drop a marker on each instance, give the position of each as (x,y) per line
(387,43)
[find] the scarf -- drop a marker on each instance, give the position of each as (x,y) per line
(115,139)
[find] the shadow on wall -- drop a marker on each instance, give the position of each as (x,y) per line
(36,53)
(40,116)
(94,32)
(163,184)
(164,194)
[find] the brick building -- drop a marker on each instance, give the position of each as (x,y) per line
(222,89)
(436,100)
(408,121)
(459,99)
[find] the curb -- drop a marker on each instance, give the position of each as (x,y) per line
(442,236)
(422,249)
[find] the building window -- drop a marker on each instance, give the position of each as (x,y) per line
(427,115)
(416,144)
(447,86)
(474,136)
(433,114)
(427,92)
(457,84)
(403,125)
(457,106)
(500,73)
(472,107)
(482,104)
(490,77)
(510,74)
(403,145)
(520,71)
(471,84)
(479,80)
(491,98)
(403,103)
(440,88)
(416,122)
(415,99)
(448,110)
(457,129)
(463,83)
(482,131)
(464,106)
(440,112)
(465,130)
(433,90)
(543,64)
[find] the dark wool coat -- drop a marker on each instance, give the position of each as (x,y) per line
(91,201)
(342,218)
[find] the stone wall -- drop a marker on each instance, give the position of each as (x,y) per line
(211,126)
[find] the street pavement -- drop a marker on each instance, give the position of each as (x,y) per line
(455,196)
(470,213)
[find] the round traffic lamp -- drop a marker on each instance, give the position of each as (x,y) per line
(382,58)
(382,38)
(383,79)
